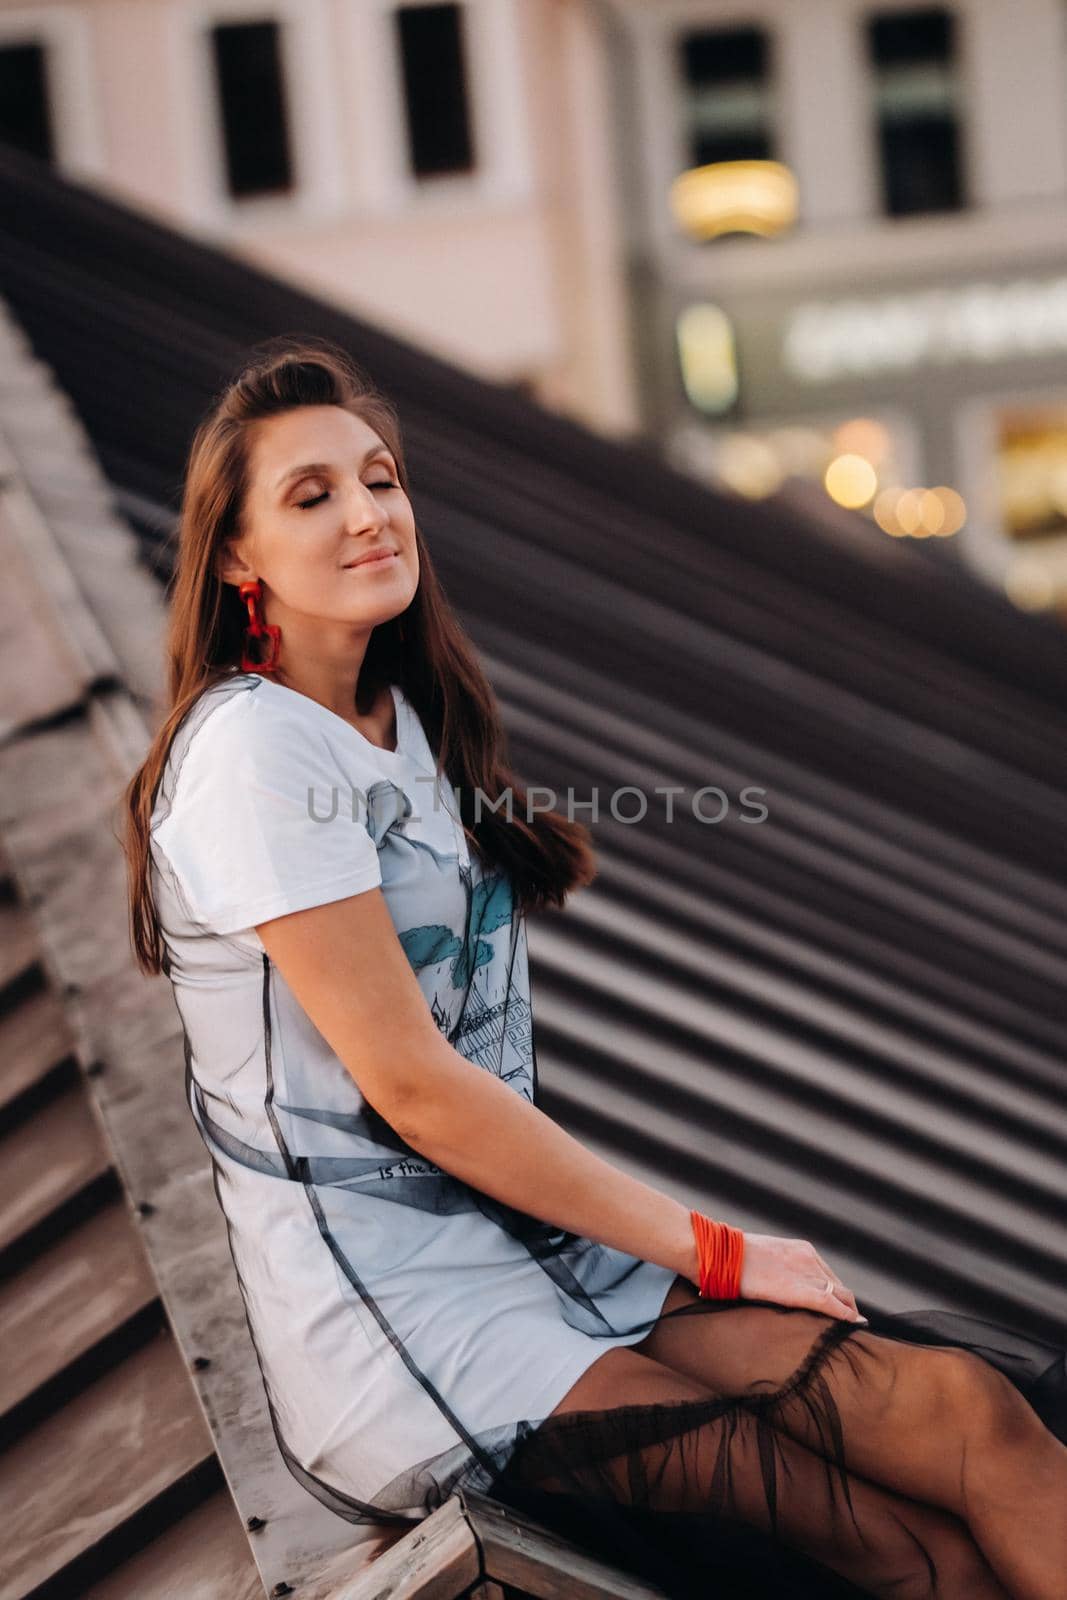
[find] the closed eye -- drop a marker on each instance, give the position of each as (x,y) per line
(317,499)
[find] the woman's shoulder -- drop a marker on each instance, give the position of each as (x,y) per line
(233,732)
(220,717)
(249,714)
(241,813)
(227,703)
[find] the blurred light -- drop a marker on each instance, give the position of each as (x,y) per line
(931,513)
(909,514)
(919,513)
(885,512)
(953,510)
(1023,488)
(1029,584)
(850,480)
(748,465)
(863,436)
(758,197)
(707,357)
(1057,487)
(1032,463)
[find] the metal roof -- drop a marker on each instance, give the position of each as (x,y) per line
(845,1022)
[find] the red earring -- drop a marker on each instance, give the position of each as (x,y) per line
(251,593)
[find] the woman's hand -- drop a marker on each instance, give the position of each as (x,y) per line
(791,1272)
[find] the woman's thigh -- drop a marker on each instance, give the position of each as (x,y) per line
(645,1435)
(738,1349)
(906,1414)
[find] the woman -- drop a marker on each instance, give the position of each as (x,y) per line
(443,1288)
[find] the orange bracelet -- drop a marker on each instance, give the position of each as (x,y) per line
(720,1253)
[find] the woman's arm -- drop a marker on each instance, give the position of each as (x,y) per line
(475,1127)
(347,968)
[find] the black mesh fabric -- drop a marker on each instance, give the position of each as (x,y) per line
(832,1462)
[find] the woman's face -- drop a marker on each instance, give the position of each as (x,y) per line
(323,492)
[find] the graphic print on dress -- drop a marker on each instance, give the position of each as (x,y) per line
(481,1020)
(495,1031)
(495,1026)
(387,807)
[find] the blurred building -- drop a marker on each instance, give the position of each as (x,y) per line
(848,247)
(814,247)
(443,170)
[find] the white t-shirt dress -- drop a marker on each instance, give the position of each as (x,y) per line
(409,1329)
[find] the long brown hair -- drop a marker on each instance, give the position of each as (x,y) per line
(425,650)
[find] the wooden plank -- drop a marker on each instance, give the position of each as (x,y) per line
(51,453)
(517,1551)
(46,1160)
(299,1537)
(205,1556)
(105,1456)
(70,1297)
(41,674)
(34,1038)
(437,1560)
(19,943)
(64,845)
(46,585)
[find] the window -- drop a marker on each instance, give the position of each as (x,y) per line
(1031,455)
(25,119)
(727,95)
(707,357)
(253,109)
(435,89)
(913,56)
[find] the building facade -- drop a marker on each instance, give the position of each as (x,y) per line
(812,247)
(443,170)
(847,236)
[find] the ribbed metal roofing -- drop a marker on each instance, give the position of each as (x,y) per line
(845,1021)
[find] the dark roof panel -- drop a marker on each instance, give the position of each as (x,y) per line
(848,1019)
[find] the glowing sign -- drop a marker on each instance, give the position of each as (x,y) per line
(981,323)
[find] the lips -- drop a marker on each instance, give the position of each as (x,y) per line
(373,557)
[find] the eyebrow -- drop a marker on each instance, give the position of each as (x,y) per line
(324,466)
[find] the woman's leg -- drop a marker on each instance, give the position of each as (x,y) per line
(933,1422)
(887,1544)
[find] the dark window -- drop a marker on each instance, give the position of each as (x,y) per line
(913,56)
(435,89)
(727,92)
(252,99)
(25,121)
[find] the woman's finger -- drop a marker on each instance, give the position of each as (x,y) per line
(838,1296)
(839,1288)
(837,1302)
(845,1294)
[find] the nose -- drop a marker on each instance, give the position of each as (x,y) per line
(363,509)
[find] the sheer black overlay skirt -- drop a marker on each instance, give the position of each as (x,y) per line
(788,1454)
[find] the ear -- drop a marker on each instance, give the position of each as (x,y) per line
(230,567)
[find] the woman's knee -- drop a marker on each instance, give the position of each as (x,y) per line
(982,1402)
